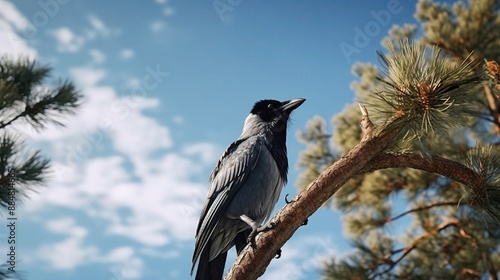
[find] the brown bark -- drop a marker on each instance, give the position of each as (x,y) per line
(434,164)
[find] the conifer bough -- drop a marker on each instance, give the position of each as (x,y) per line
(423,94)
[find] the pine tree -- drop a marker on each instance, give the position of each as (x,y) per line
(429,139)
(444,89)
(26,99)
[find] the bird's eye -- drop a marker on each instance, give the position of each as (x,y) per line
(270,106)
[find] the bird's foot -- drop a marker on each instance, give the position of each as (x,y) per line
(278,254)
(256,228)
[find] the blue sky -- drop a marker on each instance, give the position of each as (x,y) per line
(167,86)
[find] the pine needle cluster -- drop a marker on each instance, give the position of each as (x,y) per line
(26,98)
(427,92)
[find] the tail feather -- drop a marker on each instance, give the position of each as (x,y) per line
(241,240)
(210,270)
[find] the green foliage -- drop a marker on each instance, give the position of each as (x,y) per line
(437,88)
(461,29)
(485,161)
(24,96)
(318,155)
(430,93)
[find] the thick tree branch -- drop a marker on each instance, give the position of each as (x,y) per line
(434,164)
(252,261)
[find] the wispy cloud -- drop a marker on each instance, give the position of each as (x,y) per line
(73,251)
(11,23)
(98,25)
(87,76)
(178,119)
(67,41)
(9,13)
(126,264)
(132,83)
(168,11)
(127,53)
(98,28)
(157,26)
(70,252)
(97,56)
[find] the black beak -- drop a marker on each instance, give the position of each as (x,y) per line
(290,105)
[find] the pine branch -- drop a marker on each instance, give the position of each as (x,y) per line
(423,208)
(5,124)
(18,168)
(435,164)
(408,249)
(491,268)
(21,86)
(493,108)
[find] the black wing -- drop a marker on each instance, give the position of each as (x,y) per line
(236,163)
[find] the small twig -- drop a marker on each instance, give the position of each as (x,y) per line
(426,207)
(470,271)
(408,249)
(491,267)
(366,124)
(5,124)
(493,108)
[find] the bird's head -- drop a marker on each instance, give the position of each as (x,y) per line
(270,116)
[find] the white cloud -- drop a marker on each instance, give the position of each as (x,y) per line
(139,135)
(105,115)
(127,53)
(126,264)
(70,252)
(163,254)
(163,204)
(98,57)
(87,77)
(98,25)
(102,187)
(168,11)
(157,26)
(90,34)
(178,119)
(12,22)
(11,14)
(66,225)
(208,153)
(67,41)
(133,83)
